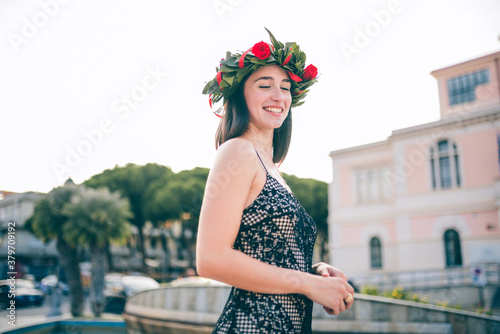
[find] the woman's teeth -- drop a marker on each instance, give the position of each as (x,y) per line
(275,110)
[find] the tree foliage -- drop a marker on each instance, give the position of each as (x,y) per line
(138,184)
(48,219)
(96,217)
(183,194)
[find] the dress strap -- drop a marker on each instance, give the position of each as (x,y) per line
(261,161)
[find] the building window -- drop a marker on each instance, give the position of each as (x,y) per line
(452,248)
(462,89)
(373,185)
(445,165)
(376,253)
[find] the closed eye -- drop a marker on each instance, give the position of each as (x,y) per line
(266,87)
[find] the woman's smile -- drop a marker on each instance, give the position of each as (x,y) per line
(274,110)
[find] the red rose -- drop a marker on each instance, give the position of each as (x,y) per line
(311,72)
(261,50)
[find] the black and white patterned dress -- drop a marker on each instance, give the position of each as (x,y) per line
(275,229)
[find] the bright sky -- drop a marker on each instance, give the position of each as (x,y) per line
(87,85)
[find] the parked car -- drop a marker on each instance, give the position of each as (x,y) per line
(25,292)
(50,282)
(120,287)
(195,281)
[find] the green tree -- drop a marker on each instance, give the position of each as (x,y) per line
(180,199)
(47,223)
(313,195)
(95,218)
(138,184)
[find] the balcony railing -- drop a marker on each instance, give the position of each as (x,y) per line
(488,275)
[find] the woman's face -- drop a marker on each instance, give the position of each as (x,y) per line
(267,94)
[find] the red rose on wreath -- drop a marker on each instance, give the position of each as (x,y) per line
(311,72)
(261,50)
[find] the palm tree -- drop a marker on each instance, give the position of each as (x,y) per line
(138,184)
(47,223)
(95,218)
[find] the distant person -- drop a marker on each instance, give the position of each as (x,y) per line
(253,233)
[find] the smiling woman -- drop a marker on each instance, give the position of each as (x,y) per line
(253,233)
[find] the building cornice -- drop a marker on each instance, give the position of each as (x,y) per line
(468,63)
(356,149)
(450,122)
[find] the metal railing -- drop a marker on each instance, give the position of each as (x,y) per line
(487,274)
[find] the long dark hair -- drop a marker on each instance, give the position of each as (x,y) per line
(235,122)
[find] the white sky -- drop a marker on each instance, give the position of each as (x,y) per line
(65,70)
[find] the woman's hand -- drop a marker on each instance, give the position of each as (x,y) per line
(322,268)
(325,270)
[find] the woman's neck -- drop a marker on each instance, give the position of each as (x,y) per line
(262,140)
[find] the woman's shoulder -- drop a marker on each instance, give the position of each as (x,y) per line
(236,152)
(238,147)
(237,143)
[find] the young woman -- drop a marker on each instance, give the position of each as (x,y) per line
(253,233)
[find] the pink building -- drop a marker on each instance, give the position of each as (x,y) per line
(428,197)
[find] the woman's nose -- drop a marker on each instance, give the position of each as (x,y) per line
(278,94)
